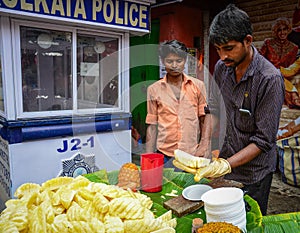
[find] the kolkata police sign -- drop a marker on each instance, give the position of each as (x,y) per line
(116,13)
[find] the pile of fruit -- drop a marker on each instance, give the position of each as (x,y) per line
(66,204)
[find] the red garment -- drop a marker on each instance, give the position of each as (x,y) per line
(279,54)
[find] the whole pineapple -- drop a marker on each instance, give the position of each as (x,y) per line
(129,177)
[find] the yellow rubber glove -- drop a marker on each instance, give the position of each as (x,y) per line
(217,168)
(184,167)
(191,170)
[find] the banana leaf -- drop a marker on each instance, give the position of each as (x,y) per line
(256,223)
(281,223)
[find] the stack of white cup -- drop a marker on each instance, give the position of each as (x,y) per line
(225,205)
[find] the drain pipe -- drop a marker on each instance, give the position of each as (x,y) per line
(166,3)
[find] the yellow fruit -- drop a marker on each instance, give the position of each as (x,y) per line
(190,160)
(129,176)
(57,182)
(27,188)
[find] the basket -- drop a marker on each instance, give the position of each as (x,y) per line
(289,160)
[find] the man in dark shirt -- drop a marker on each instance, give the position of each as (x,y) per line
(246,95)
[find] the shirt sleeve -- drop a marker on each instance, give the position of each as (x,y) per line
(268,112)
(202,99)
(152,115)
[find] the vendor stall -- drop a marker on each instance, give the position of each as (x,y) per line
(175,182)
(64,99)
(97,202)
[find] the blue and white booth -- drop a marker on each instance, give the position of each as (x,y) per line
(64,87)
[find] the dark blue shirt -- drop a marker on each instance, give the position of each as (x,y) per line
(249,112)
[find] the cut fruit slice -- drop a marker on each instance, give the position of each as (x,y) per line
(190,160)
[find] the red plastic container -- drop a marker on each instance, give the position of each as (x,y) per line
(152,165)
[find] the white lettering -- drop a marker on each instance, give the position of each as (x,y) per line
(109,18)
(143,11)
(10,3)
(37,4)
(126,13)
(120,12)
(69,8)
(79,9)
(58,6)
(97,6)
(118,19)
(132,8)
(26,6)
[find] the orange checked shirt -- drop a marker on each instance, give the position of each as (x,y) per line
(177,120)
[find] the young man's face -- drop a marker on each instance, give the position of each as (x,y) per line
(233,52)
(174,64)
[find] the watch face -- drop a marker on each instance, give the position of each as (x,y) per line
(99,47)
(44,41)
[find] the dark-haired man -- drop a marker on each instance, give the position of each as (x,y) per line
(175,106)
(246,95)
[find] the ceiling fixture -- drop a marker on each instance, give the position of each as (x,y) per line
(99,47)
(44,41)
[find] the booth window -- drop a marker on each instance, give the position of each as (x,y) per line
(46,57)
(97,71)
(49,82)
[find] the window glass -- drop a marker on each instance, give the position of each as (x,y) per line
(97,71)
(46,58)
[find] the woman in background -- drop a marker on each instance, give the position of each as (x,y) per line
(282,53)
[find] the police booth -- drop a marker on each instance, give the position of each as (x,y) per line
(64,87)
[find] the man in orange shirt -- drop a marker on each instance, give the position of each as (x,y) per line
(176,108)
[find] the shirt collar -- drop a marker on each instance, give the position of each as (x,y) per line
(186,79)
(252,66)
(253,63)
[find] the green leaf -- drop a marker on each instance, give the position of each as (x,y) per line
(254,216)
(273,228)
(289,222)
(255,229)
(178,181)
(98,177)
(113,177)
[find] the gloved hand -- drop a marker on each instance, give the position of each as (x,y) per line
(183,167)
(188,162)
(217,168)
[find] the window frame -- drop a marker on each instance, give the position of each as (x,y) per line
(2,111)
(123,64)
